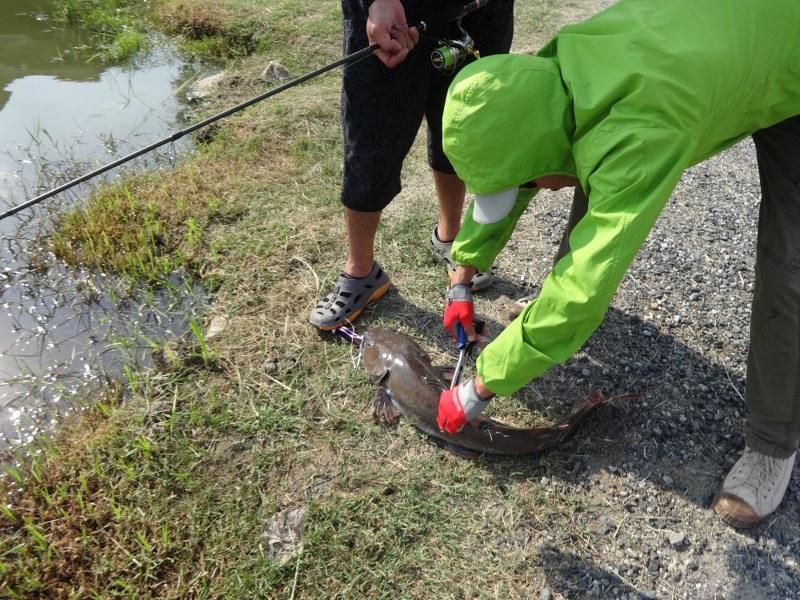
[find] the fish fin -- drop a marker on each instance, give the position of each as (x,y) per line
(457,449)
(462,451)
(585,405)
(383,409)
(595,399)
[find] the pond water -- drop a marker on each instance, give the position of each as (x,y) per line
(63,332)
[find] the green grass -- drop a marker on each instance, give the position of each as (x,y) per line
(116,25)
(222,30)
(167,495)
(146,234)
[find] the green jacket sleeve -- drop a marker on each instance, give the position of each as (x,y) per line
(631,172)
(477,244)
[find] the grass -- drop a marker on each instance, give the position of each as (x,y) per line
(222,30)
(146,228)
(167,495)
(115,25)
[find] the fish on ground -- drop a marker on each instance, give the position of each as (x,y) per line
(409,386)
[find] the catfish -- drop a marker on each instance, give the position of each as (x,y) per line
(409,386)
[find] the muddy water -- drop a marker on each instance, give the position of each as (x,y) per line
(64,332)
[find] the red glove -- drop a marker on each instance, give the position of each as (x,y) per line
(459,308)
(458,406)
(451,416)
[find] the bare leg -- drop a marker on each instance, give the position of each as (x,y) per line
(450,191)
(361,228)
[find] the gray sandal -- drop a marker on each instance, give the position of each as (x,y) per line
(349,298)
(480,281)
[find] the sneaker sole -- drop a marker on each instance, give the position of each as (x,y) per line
(731,519)
(376,295)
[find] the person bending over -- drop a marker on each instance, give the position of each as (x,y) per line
(620,105)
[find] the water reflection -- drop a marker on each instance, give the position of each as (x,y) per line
(64,331)
(29,44)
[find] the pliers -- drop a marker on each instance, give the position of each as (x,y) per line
(465,347)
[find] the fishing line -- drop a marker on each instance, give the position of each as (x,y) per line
(348,332)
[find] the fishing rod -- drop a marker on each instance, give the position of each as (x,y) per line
(453,50)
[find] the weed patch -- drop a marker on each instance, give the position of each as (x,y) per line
(116,25)
(143,229)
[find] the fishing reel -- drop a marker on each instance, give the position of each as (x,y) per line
(451,54)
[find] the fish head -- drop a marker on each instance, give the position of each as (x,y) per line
(383,350)
(373,354)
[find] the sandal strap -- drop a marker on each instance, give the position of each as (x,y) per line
(350,295)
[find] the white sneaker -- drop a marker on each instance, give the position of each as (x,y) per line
(753,489)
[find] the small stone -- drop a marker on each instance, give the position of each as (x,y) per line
(274,71)
(676,539)
(667,479)
(206,87)
(217,326)
(545,594)
(160,407)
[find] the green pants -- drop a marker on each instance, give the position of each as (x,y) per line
(773,363)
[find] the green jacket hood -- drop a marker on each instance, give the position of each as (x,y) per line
(508,120)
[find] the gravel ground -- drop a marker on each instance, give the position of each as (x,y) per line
(677,334)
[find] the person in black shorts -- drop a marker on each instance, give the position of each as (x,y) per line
(384,99)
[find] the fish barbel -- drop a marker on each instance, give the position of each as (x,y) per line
(409,385)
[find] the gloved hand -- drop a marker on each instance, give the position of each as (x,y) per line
(459,309)
(458,406)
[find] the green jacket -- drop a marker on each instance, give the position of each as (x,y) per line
(625,101)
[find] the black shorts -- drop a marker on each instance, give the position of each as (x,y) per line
(382,108)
